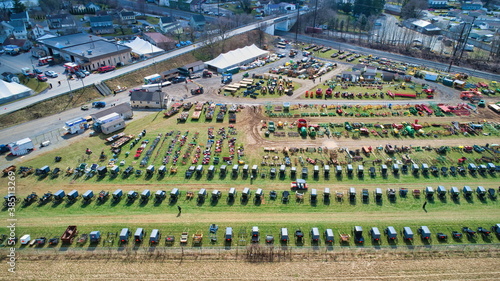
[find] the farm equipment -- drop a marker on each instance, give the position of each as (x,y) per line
(255,234)
(30,199)
(95,237)
(103,196)
(471,234)
(299,236)
(207,74)
(213,232)
(227,78)
(69,235)
(10,169)
(131,196)
(358,235)
(197,91)
(299,184)
(344,238)
(425,233)
(441,236)
(485,232)
(124,235)
(456,235)
(45,198)
(82,239)
(169,240)
(155,237)
(184,237)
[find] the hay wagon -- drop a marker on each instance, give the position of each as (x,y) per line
(69,235)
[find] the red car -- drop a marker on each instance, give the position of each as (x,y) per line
(106,68)
(41,77)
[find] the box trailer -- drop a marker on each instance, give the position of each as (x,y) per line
(21,147)
(76,126)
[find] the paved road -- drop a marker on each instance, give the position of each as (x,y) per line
(392,56)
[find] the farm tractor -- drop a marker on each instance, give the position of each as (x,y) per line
(227,78)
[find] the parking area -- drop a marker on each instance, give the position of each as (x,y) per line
(15,63)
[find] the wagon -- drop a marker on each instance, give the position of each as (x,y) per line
(352,194)
(375,234)
(117,195)
(416,193)
(350,169)
(470,233)
(155,237)
(273,194)
(160,195)
(403,192)
(485,232)
(174,194)
(30,199)
(216,194)
(358,235)
(338,170)
(259,195)
(454,193)
(59,195)
(441,191)
(467,191)
(145,195)
(82,239)
(245,195)
(326,194)
(391,233)
(150,170)
(72,196)
(95,237)
(429,192)
(255,234)
(407,233)
(299,236)
(103,195)
(201,195)
(344,238)
(391,194)
(441,236)
(313,196)
(69,234)
(378,195)
(162,170)
(232,194)
(481,192)
(45,198)
(425,233)
(88,195)
(132,195)
(125,235)
(285,195)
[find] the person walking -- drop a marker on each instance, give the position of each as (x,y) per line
(59,83)
(180,210)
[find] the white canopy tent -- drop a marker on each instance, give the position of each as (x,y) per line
(236,57)
(142,47)
(12,91)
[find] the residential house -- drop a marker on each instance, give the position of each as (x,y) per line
(388,76)
(472,6)
(122,109)
(437,4)
(101,25)
(159,40)
(127,17)
(286,7)
(78,9)
(351,76)
(61,21)
(481,35)
(147,100)
(197,22)
(24,44)
(272,9)
(169,25)
(92,6)
(195,5)
(23,17)
(39,30)
(19,30)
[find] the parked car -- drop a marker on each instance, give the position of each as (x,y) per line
(84,107)
(80,74)
(106,68)
(37,71)
(86,72)
(51,74)
(41,77)
(178,79)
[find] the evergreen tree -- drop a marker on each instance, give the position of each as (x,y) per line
(19,7)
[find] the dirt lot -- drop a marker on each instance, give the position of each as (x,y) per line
(339,265)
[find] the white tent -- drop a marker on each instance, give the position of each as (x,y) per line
(142,47)
(12,91)
(236,57)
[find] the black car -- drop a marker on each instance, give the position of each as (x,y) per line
(179,79)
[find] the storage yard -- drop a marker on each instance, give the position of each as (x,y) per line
(214,180)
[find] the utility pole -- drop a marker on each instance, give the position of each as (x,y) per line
(298,23)
(315,11)
(466,38)
(457,46)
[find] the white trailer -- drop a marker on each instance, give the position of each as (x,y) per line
(21,147)
(76,126)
